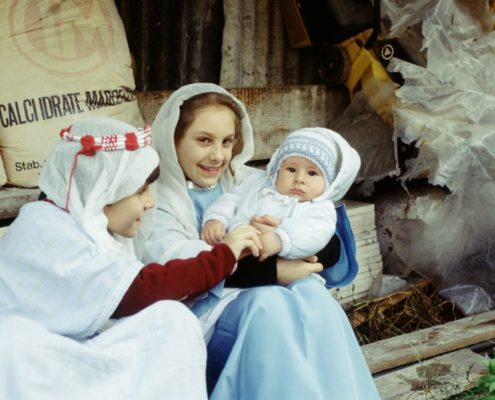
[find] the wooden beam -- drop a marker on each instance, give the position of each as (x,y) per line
(12,199)
(426,343)
(438,378)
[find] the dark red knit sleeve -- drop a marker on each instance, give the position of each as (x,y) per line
(177,280)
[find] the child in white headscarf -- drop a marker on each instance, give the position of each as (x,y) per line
(63,275)
(312,169)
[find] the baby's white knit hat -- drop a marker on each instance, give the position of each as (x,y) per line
(329,151)
(314,144)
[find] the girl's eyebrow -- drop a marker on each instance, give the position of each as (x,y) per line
(210,134)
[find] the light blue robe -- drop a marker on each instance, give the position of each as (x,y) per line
(287,343)
(202,199)
(273,342)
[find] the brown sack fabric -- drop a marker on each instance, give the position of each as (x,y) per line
(62,60)
(3,175)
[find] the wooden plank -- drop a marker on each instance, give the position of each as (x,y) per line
(368,257)
(438,378)
(358,221)
(356,207)
(367,227)
(362,219)
(365,236)
(274,110)
(12,199)
(429,342)
(359,288)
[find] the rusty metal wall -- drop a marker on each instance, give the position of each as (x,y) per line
(256,50)
(175,42)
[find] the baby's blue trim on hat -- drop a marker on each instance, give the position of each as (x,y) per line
(313,149)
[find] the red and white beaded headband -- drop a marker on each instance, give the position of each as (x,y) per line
(90,145)
(128,141)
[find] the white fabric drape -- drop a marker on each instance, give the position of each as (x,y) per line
(158,353)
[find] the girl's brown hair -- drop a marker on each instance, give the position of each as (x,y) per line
(153,176)
(190,107)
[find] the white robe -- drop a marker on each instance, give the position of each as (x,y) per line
(57,292)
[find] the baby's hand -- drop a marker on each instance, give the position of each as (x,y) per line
(265,223)
(213,232)
(243,237)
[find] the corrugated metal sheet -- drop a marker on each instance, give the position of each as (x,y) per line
(175,42)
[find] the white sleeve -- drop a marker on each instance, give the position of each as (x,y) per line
(169,240)
(308,230)
(224,209)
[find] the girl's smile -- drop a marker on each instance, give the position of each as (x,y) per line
(211,170)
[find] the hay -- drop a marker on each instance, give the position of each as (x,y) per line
(406,311)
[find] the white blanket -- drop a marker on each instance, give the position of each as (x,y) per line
(158,353)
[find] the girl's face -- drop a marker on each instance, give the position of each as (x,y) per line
(205,149)
(124,216)
(298,177)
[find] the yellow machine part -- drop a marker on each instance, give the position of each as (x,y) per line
(364,63)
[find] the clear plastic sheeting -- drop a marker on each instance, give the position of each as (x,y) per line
(447,110)
(404,13)
(471,299)
(367,124)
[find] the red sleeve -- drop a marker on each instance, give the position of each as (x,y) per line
(177,280)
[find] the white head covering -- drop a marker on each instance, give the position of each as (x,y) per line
(97,180)
(172,196)
(338,161)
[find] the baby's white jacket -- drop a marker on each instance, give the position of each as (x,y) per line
(305,228)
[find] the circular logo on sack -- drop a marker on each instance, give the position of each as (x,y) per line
(64,37)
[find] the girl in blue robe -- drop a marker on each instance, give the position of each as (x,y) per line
(273,331)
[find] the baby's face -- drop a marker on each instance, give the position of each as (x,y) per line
(298,177)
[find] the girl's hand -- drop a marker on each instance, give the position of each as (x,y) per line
(289,271)
(243,237)
(271,245)
(213,232)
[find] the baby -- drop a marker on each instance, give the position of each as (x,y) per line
(312,169)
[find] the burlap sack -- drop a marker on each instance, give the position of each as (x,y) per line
(61,60)
(3,175)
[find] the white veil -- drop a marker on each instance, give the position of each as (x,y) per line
(97,180)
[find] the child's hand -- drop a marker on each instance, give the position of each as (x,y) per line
(213,232)
(244,237)
(265,223)
(271,245)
